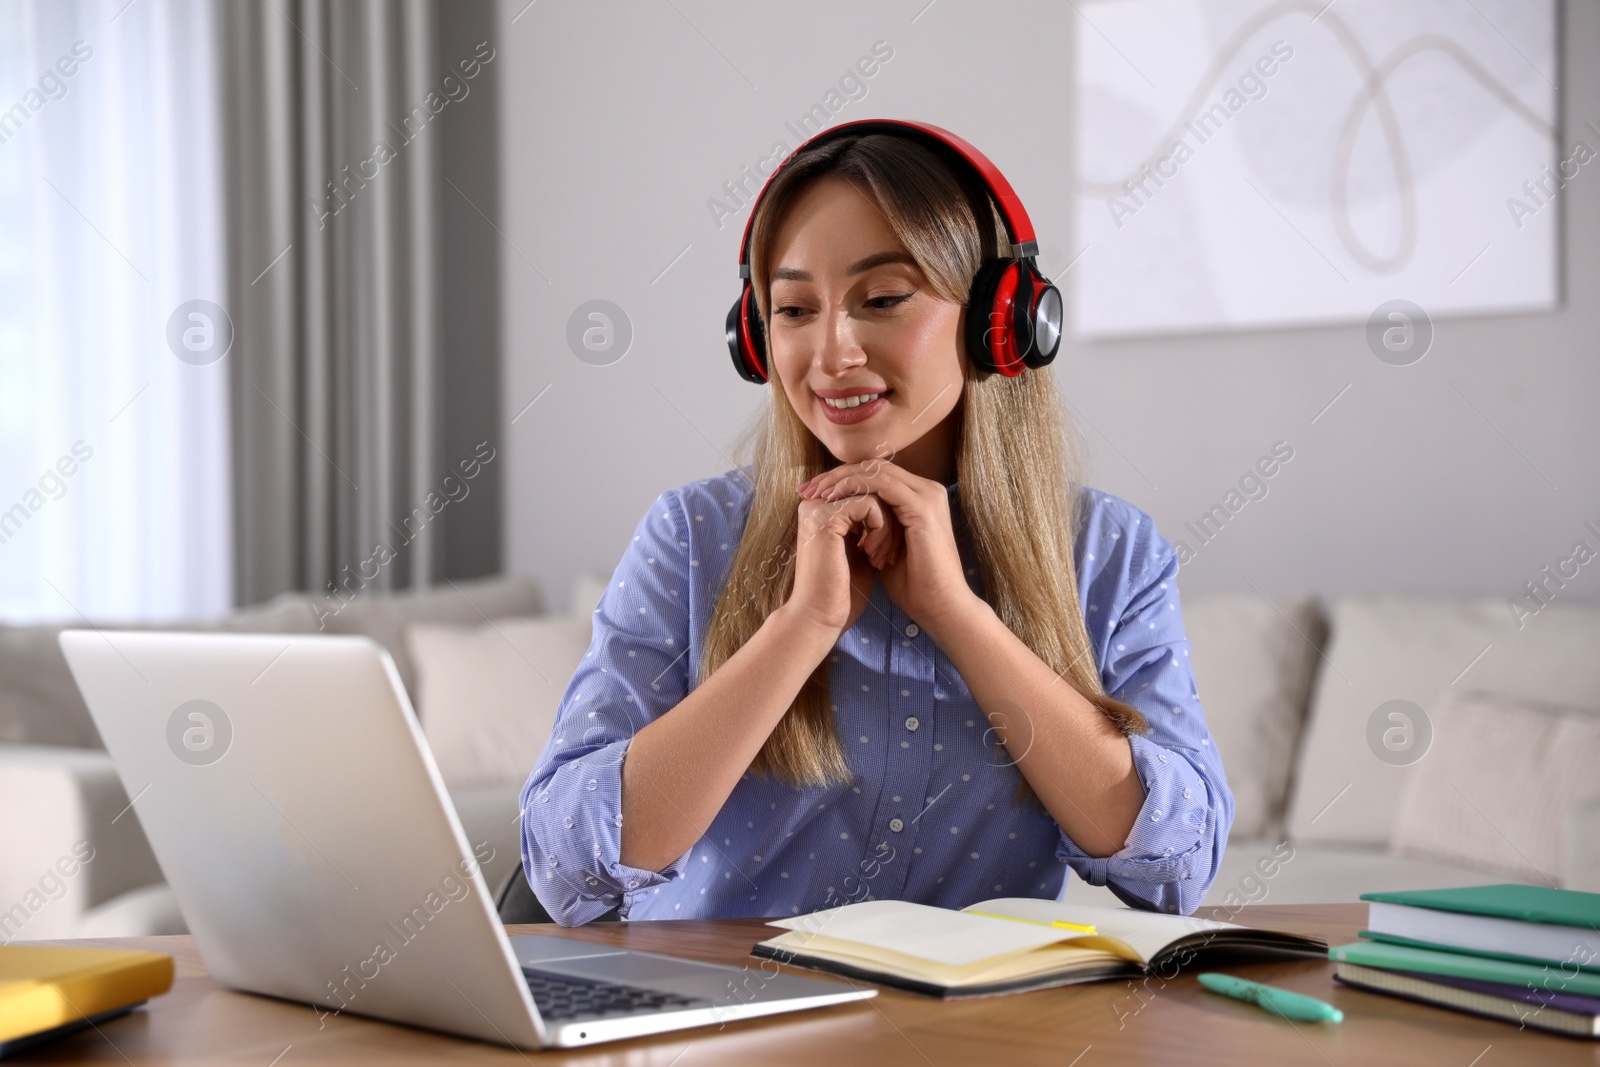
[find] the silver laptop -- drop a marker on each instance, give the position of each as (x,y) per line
(300,820)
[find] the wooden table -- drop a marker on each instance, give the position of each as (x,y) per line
(1167,1023)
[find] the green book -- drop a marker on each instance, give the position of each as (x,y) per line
(1392,957)
(1525,922)
(1529,903)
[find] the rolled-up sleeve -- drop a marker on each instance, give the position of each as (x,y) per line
(636,669)
(1176,843)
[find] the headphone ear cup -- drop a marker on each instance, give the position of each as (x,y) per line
(983,333)
(757,338)
(746,343)
(1044,323)
(1000,325)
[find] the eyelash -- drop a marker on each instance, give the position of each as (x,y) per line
(894,301)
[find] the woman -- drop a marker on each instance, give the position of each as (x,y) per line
(861,666)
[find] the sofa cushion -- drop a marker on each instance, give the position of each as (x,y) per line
(1580,846)
(39,701)
(1272,871)
(1385,648)
(69,840)
(488,694)
(1497,783)
(587,589)
(384,617)
(1254,660)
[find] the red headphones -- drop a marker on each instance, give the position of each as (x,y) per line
(1013,312)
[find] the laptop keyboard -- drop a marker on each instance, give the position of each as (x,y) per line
(561,997)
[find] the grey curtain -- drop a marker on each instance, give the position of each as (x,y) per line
(332,213)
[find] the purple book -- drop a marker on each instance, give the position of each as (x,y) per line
(1550,998)
(1540,1008)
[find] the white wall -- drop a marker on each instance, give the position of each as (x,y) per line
(622,119)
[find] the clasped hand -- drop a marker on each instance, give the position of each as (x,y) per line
(907,534)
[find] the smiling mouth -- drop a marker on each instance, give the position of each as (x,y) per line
(845,403)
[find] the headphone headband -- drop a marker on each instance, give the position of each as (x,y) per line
(1019,228)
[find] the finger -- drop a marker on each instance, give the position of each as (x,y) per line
(876,526)
(840,517)
(865,522)
(855,482)
(897,549)
(871,544)
(818,518)
(864,509)
(907,495)
(891,553)
(872,548)
(855,478)
(884,535)
(917,510)
(877,542)
(894,551)
(857,475)
(880,539)
(893,546)
(808,489)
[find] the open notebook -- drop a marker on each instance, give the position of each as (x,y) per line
(962,954)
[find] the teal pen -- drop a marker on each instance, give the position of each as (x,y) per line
(1279,1001)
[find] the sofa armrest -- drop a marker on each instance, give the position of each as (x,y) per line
(1580,846)
(488,814)
(147,912)
(68,840)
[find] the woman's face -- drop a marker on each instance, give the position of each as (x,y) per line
(852,315)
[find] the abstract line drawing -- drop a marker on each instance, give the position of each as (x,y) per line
(1246,164)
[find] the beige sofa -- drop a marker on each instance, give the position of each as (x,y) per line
(1298,698)
(1290,690)
(73,861)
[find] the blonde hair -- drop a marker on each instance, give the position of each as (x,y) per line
(1017,472)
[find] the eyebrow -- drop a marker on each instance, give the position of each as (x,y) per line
(877,259)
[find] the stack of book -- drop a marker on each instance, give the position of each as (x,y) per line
(1523,953)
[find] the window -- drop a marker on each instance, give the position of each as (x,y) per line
(114,450)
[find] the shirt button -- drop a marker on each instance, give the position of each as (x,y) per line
(913,630)
(912,722)
(633,883)
(896,824)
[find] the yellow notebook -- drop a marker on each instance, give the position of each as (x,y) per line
(982,950)
(47,991)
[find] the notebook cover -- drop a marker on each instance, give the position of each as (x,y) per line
(1530,903)
(43,988)
(1573,1002)
(1429,989)
(1111,969)
(18,1045)
(1437,946)
(1393,957)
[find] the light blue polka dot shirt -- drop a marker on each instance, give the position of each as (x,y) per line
(929,816)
